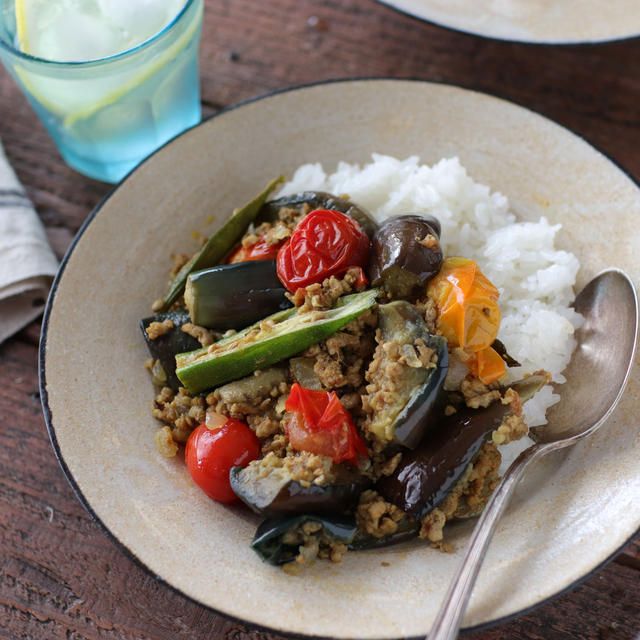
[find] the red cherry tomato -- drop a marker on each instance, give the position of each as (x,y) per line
(320,424)
(325,243)
(258,251)
(210,454)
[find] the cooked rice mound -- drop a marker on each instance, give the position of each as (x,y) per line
(535,279)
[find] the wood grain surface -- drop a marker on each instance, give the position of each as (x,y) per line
(61,577)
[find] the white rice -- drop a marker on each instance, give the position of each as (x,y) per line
(534,278)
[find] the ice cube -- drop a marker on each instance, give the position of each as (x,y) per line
(71,31)
(141,19)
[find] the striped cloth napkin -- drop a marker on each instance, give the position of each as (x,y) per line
(27,263)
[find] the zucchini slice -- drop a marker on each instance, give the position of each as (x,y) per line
(267,344)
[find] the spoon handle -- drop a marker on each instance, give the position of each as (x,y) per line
(447,622)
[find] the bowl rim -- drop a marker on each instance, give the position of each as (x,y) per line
(51,301)
(541,42)
(12,50)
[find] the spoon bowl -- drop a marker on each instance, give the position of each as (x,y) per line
(597,375)
(601,361)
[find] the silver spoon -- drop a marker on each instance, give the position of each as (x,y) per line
(596,378)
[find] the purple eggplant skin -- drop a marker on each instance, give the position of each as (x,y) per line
(405,254)
(274,495)
(426,475)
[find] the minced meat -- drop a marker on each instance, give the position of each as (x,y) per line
(322,296)
(157,329)
(180,412)
(377,517)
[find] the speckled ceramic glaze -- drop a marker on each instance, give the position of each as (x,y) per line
(550,21)
(572,511)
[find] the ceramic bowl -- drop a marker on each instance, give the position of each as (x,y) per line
(570,514)
(536,21)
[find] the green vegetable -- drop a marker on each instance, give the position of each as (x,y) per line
(239,355)
(219,243)
(234,295)
(184,358)
(407,417)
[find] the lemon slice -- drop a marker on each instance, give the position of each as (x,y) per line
(21,25)
(56,30)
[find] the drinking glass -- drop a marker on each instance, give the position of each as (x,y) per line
(106,115)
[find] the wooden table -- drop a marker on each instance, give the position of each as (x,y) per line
(60,576)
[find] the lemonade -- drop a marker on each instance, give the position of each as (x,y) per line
(111,80)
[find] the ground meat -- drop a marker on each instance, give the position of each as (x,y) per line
(266,426)
(312,543)
(513,427)
(257,400)
(275,232)
(278,445)
(385,464)
(303,467)
(157,329)
(377,517)
(429,310)
(320,297)
(180,412)
(477,394)
(203,335)
(292,216)
(341,359)
(165,443)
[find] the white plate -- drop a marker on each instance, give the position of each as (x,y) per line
(541,21)
(571,513)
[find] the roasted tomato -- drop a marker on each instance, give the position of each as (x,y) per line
(261,250)
(210,454)
(325,243)
(468,315)
(320,424)
(468,312)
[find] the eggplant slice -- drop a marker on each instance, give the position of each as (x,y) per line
(405,254)
(278,494)
(164,348)
(425,476)
(417,390)
(234,295)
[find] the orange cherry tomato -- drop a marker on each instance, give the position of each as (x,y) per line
(468,312)
(487,365)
